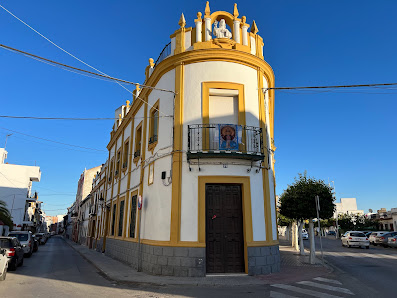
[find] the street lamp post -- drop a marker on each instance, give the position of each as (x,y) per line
(337,215)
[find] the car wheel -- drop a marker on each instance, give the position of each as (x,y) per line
(3,276)
(28,255)
(21,263)
(12,266)
(375,244)
(367,247)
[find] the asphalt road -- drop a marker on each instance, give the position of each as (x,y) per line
(375,267)
(57,270)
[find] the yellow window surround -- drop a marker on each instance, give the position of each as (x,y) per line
(150,178)
(118,163)
(125,154)
(138,141)
(154,126)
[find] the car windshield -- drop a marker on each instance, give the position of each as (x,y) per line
(5,243)
(21,237)
(357,234)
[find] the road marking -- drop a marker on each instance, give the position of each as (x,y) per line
(280,295)
(304,291)
(326,287)
(332,281)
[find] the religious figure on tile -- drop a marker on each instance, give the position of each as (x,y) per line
(221,31)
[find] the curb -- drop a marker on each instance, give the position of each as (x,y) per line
(106,276)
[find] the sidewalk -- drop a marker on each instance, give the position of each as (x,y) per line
(293,268)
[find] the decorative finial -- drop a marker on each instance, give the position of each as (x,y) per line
(182,21)
(119,116)
(207,12)
(137,88)
(254,28)
(128,104)
(235,11)
(151,62)
(243,20)
(199,14)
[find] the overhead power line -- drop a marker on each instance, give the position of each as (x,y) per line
(103,76)
(52,141)
(331,87)
(71,118)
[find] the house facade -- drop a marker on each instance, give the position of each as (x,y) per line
(16,183)
(190,182)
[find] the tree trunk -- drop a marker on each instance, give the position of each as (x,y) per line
(312,244)
(295,243)
(301,247)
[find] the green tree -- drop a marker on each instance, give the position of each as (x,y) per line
(297,202)
(5,215)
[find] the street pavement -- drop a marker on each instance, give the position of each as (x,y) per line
(375,267)
(64,269)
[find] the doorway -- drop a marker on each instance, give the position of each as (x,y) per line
(224,228)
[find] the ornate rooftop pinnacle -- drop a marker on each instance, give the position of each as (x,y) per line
(182,21)
(127,104)
(151,63)
(199,14)
(254,28)
(207,10)
(235,11)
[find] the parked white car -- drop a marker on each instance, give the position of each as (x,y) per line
(305,235)
(3,264)
(354,238)
(373,236)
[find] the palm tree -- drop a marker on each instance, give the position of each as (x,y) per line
(5,215)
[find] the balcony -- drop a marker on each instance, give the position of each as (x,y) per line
(225,141)
(164,53)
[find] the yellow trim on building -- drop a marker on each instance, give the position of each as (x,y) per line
(175,227)
(155,108)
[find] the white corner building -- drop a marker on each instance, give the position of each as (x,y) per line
(200,157)
(15,190)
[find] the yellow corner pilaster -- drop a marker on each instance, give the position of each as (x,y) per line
(177,156)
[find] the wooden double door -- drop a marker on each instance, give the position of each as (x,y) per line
(224,228)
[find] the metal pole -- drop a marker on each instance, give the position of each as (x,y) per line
(139,241)
(317,199)
(337,215)
(5,145)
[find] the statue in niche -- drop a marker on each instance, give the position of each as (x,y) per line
(221,31)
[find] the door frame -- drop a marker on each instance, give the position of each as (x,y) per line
(244,181)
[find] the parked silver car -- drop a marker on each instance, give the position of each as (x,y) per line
(392,241)
(373,236)
(382,240)
(26,240)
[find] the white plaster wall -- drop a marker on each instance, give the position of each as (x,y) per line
(195,74)
(253,45)
(173,43)
(156,214)
(15,185)
(188,41)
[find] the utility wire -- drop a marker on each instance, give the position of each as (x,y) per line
(53,141)
(329,87)
(88,73)
(72,118)
(103,76)
(63,50)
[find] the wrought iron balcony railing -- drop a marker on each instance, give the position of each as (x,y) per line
(225,140)
(164,53)
(152,139)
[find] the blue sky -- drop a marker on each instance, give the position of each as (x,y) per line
(348,136)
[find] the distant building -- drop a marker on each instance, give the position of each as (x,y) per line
(16,190)
(347,206)
(84,188)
